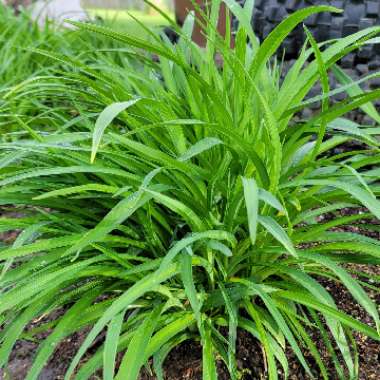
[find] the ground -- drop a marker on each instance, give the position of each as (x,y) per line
(184,363)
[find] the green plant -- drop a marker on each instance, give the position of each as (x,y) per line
(199,209)
(19,37)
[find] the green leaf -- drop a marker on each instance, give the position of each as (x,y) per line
(170,330)
(243,16)
(199,147)
(274,137)
(161,355)
(357,192)
(39,246)
(321,294)
(148,283)
(276,37)
(77,189)
(281,322)
(354,90)
(190,290)
(118,214)
(105,119)
(188,241)
(121,212)
(351,128)
(272,368)
(110,346)
(209,367)
(180,208)
(325,89)
(303,335)
(126,38)
(46,349)
(351,284)
(220,247)
(327,310)
(134,358)
(251,195)
(27,234)
(278,233)
(67,170)
(271,200)
(15,329)
(274,347)
(24,292)
(231,309)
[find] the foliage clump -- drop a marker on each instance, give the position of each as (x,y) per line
(165,199)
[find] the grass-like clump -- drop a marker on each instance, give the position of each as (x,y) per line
(164,198)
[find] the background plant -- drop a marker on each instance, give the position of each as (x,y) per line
(170,199)
(19,35)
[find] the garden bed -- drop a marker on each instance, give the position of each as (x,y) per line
(185,363)
(170,200)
